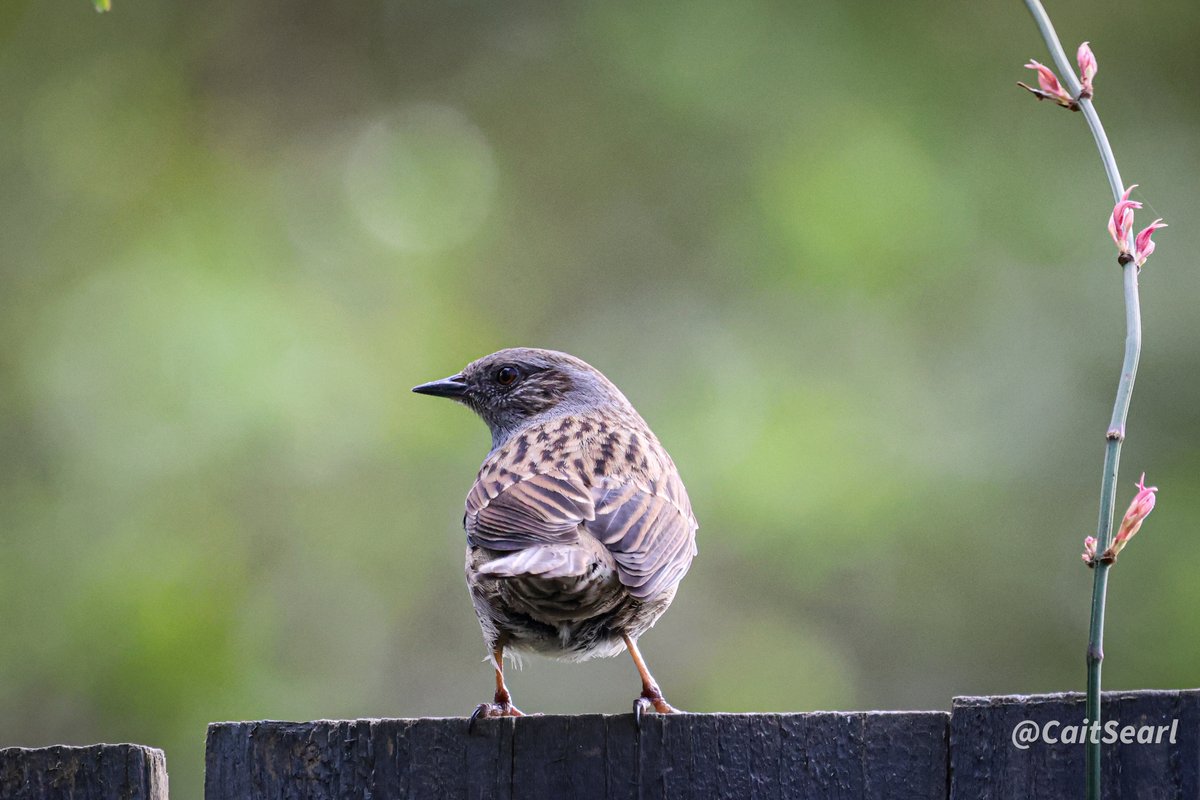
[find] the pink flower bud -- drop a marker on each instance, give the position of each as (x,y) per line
(1050,89)
(1089,550)
(1087,69)
(1139,509)
(1046,78)
(1143,244)
(1121,221)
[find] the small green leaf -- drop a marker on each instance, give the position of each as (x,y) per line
(102,5)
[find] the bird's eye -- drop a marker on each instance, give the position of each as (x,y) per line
(507,376)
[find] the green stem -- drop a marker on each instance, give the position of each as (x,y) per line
(1116,428)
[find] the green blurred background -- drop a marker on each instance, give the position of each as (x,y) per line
(856,280)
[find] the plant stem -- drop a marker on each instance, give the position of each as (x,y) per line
(1116,428)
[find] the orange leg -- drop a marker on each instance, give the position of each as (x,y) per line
(502,705)
(651,695)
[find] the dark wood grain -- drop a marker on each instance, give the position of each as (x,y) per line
(98,772)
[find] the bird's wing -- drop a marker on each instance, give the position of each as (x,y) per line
(520,511)
(649,529)
(647,524)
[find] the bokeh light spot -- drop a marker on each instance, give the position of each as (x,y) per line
(421,180)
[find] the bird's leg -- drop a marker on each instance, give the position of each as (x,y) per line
(503,699)
(502,705)
(651,695)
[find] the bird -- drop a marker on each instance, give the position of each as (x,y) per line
(579,528)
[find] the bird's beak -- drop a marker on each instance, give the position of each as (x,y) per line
(454,387)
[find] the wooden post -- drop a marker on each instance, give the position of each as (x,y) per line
(985,763)
(98,772)
(702,756)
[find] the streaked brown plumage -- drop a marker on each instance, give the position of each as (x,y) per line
(578,526)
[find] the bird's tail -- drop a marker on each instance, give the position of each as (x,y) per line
(546,561)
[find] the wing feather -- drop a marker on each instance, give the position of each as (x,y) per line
(651,535)
(529,511)
(648,526)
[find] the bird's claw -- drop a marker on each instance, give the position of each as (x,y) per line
(656,704)
(493,710)
(640,705)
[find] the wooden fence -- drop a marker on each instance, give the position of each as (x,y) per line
(970,753)
(98,772)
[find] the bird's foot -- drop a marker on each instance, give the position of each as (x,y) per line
(651,702)
(491,710)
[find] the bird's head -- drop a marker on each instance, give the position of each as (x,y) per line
(511,389)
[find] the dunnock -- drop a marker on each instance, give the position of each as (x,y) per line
(578,526)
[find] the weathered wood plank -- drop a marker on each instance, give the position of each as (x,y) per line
(622,773)
(907,756)
(751,756)
(97,772)
(818,756)
(489,760)
(985,763)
